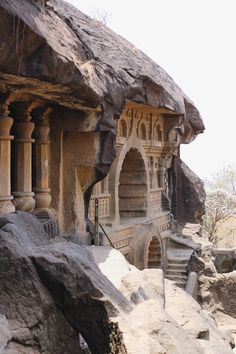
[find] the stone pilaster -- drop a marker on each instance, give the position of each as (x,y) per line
(161,173)
(22,178)
(6,122)
(41,159)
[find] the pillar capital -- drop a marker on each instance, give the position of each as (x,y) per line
(5,99)
(41,119)
(41,114)
(23,126)
(21,111)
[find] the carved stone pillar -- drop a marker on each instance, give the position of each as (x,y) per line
(161,174)
(22,149)
(6,122)
(162,177)
(41,159)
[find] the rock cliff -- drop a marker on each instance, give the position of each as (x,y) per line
(87,73)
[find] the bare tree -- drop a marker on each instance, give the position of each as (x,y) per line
(226,179)
(220,205)
(101,15)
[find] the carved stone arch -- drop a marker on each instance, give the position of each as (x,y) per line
(141,248)
(123,128)
(158,132)
(139,122)
(143,131)
(154,258)
(132,190)
(114,175)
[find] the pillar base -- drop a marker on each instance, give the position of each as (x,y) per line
(42,198)
(6,206)
(24,201)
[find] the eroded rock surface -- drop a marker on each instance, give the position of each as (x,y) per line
(216,292)
(165,318)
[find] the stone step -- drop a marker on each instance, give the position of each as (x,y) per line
(154,256)
(154,259)
(154,248)
(154,251)
(180,283)
(157,266)
(154,264)
(178,260)
(176,271)
(156,245)
(177,277)
(177,266)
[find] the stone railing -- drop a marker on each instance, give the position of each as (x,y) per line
(165,222)
(155,199)
(122,239)
(103,206)
(50,224)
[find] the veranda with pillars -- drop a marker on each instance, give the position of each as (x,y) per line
(24,155)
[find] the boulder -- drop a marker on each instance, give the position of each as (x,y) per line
(217,295)
(225,260)
(190,316)
(33,271)
(188,194)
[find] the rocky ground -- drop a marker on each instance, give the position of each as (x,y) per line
(51,292)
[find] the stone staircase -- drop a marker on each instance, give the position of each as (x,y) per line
(177,270)
(154,254)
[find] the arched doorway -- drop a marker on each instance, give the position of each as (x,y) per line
(133,186)
(154,253)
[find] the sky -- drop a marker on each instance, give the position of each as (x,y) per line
(194,41)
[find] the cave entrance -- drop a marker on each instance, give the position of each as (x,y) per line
(154,253)
(132,191)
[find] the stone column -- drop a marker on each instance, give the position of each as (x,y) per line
(22,178)
(41,189)
(161,174)
(6,122)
